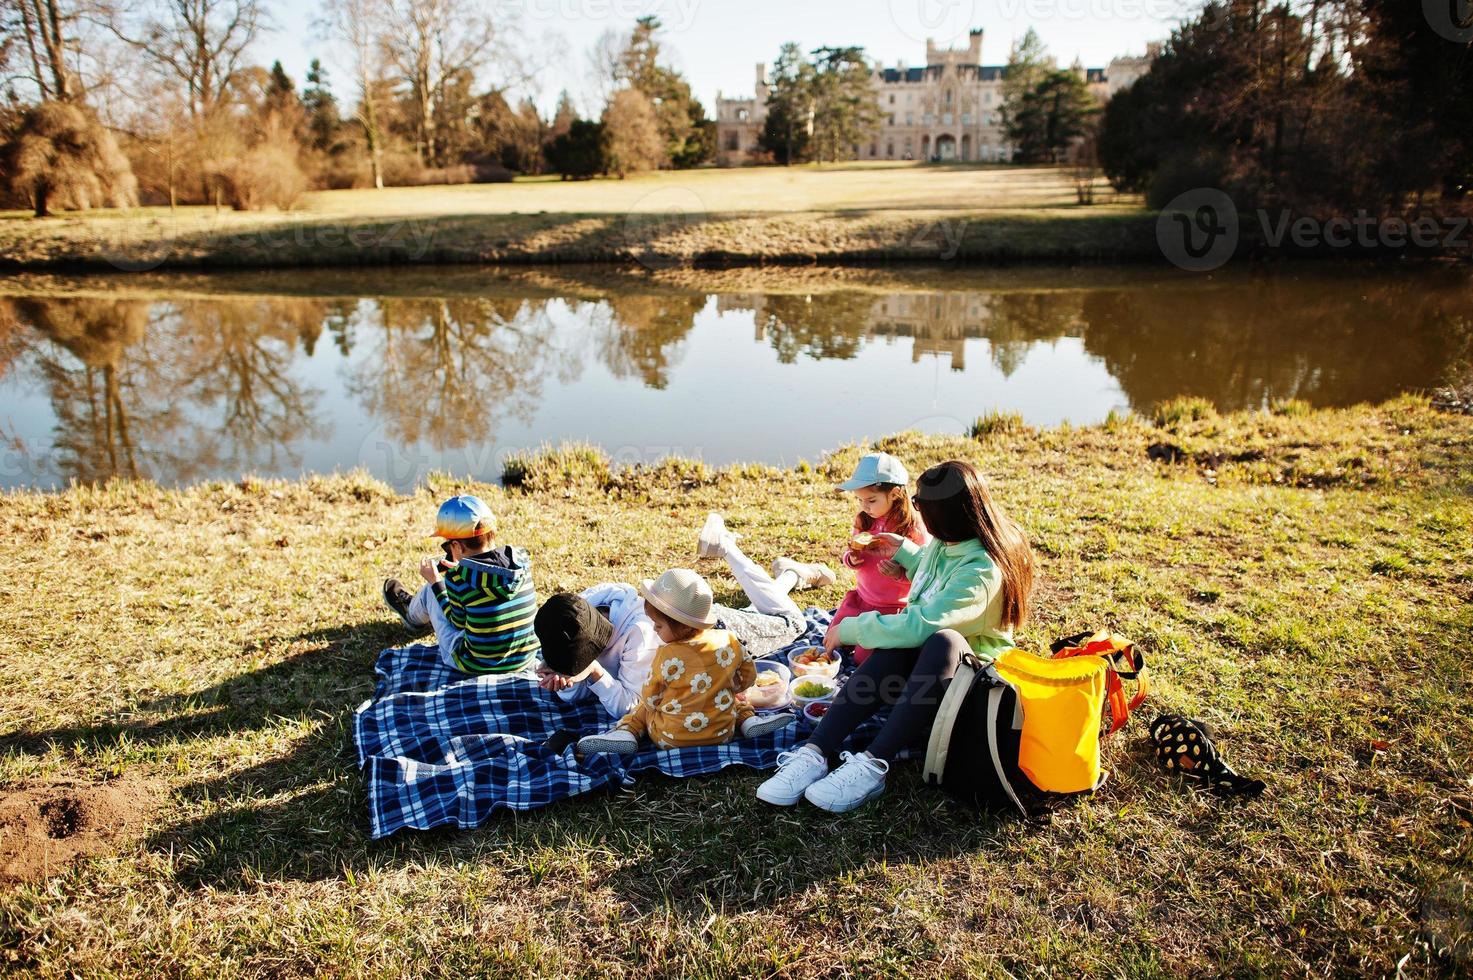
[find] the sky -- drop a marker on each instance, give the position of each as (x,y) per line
(717,43)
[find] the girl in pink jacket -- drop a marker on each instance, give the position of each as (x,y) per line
(881,486)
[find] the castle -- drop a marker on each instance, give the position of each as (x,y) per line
(947,110)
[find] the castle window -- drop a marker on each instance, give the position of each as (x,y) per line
(892,98)
(733,141)
(742,115)
(890,149)
(946,118)
(966,119)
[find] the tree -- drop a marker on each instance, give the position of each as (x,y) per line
(323,119)
(633,138)
(846,107)
(1028,63)
(358,26)
(48,26)
(636,62)
(62,156)
(197,44)
(1051,116)
(431,42)
(563,117)
(789,107)
(581,152)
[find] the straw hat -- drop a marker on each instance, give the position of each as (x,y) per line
(682,595)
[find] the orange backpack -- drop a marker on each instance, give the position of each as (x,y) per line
(1125,663)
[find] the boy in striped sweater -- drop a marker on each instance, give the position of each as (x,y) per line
(479,598)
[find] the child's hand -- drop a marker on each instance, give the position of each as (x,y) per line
(852,558)
(831,639)
(551,680)
(891,568)
(429,570)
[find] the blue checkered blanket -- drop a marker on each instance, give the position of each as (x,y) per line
(438,747)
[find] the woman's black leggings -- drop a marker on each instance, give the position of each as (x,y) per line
(910,682)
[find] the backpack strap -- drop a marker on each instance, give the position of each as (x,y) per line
(1126,664)
(938,745)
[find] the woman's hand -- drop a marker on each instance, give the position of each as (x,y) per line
(429,570)
(886,545)
(890,568)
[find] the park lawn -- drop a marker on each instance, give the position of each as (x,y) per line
(1300,579)
(854,212)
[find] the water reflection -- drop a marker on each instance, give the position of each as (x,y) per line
(182,389)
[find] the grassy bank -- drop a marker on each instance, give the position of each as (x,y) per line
(1300,579)
(855,213)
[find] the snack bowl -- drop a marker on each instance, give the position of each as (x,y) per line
(785,678)
(799,669)
(814,711)
(828,685)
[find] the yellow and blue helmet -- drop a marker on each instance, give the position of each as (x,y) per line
(463,517)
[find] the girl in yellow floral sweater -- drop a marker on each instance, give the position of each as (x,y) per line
(691,696)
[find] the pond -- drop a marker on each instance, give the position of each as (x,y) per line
(404,372)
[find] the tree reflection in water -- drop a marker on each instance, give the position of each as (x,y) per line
(444,371)
(172,391)
(184,389)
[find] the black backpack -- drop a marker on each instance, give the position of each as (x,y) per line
(972,754)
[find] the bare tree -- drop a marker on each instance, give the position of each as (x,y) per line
(198,44)
(359,25)
(432,42)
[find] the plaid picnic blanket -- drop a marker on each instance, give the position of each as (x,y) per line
(438,747)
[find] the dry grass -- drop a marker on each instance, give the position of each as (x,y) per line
(858,212)
(1304,586)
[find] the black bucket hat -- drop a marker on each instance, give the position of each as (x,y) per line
(572,633)
(941,482)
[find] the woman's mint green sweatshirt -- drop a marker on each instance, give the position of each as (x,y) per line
(952,587)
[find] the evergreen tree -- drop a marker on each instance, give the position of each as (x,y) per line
(1028,63)
(323,119)
(1051,116)
(788,128)
(846,107)
(581,152)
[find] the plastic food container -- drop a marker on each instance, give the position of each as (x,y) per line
(785,698)
(829,670)
(829,685)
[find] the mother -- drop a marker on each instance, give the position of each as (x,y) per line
(969,589)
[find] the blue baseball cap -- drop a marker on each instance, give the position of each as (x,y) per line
(876,468)
(463,517)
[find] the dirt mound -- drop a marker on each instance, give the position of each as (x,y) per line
(46,827)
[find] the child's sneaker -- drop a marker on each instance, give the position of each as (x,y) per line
(616,742)
(714,537)
(860,779)
(810,576)
(797,771)
(767,724)
(398,598)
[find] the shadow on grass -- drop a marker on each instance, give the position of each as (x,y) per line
(688,845)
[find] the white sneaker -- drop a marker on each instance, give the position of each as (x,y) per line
(860,779)
(797,771)
(616,742)
(714,537)
(815,575)
(764,724)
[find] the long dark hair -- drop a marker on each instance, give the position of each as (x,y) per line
(960,508)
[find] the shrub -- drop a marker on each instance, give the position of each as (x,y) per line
(1185,409)
(997,423)
(269,174)
(1290,407)
(60,155)
(567,465)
